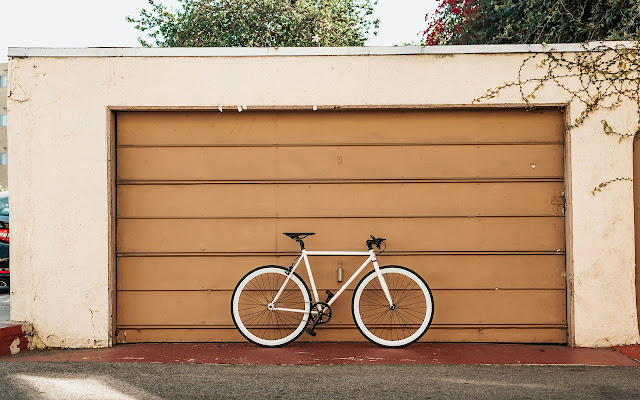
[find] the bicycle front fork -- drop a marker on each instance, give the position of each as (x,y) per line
(383,283)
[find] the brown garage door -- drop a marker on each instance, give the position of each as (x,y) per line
(470,199)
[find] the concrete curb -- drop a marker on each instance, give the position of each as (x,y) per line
(14,338)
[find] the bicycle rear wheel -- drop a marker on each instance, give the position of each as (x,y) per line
(250,312)
(396,326)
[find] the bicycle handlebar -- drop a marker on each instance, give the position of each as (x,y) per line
(374,241)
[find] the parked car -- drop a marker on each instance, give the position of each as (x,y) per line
(4,241)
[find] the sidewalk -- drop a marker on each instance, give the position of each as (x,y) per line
(343,354)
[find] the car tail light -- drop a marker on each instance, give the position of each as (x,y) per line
(4,235)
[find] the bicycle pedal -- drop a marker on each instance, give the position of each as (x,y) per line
(329,295)
(310,332)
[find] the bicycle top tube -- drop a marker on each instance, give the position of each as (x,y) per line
(338,253)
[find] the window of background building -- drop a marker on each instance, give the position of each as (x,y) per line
(3,158)
(3,81)
(3,119)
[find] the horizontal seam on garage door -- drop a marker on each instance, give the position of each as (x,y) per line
(336,287)
(288,253)
(352,217)
(133,146)
(358,180)
(351,326)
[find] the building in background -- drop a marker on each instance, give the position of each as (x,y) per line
(3,124)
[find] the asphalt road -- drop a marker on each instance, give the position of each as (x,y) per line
(126,381)
(5,300)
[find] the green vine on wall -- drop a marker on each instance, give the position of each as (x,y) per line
(601,77)
(603,184)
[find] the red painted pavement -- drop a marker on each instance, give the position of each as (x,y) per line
(632,351)
(337,353)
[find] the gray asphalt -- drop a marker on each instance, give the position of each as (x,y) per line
(5,300)
(38,380)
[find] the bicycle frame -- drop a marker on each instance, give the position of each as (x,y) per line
(372,258)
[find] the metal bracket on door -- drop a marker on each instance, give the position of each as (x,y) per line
(559,201)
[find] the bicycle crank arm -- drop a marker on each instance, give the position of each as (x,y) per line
(311,331)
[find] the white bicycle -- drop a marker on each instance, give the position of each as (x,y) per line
(392,306)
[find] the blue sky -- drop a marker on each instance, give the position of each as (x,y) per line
(91,23)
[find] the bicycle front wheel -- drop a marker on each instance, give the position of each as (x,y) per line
(400,324)
(252,316)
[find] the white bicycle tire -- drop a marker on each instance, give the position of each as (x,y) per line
(237,318)
(362,326)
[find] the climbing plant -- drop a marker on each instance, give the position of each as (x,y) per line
(602,77)
(598,78)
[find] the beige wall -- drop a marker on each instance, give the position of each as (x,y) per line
(59,140)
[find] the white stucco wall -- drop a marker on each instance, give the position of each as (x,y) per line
(58,143)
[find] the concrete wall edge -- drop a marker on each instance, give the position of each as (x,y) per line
(309,51)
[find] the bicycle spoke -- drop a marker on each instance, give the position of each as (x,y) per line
(254,296)
(415,313)
(251,316)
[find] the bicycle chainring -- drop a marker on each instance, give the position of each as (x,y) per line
(323,314)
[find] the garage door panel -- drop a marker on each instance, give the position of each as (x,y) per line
(212,200)
(341,200)
(453,307)
(304,127)
(420,162)
(516,306)
(197,163)
(345,162)
(416,234)
(440,271)
(161,128)
(178,335)
(488,334)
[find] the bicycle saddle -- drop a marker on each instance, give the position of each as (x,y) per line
(296,235)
